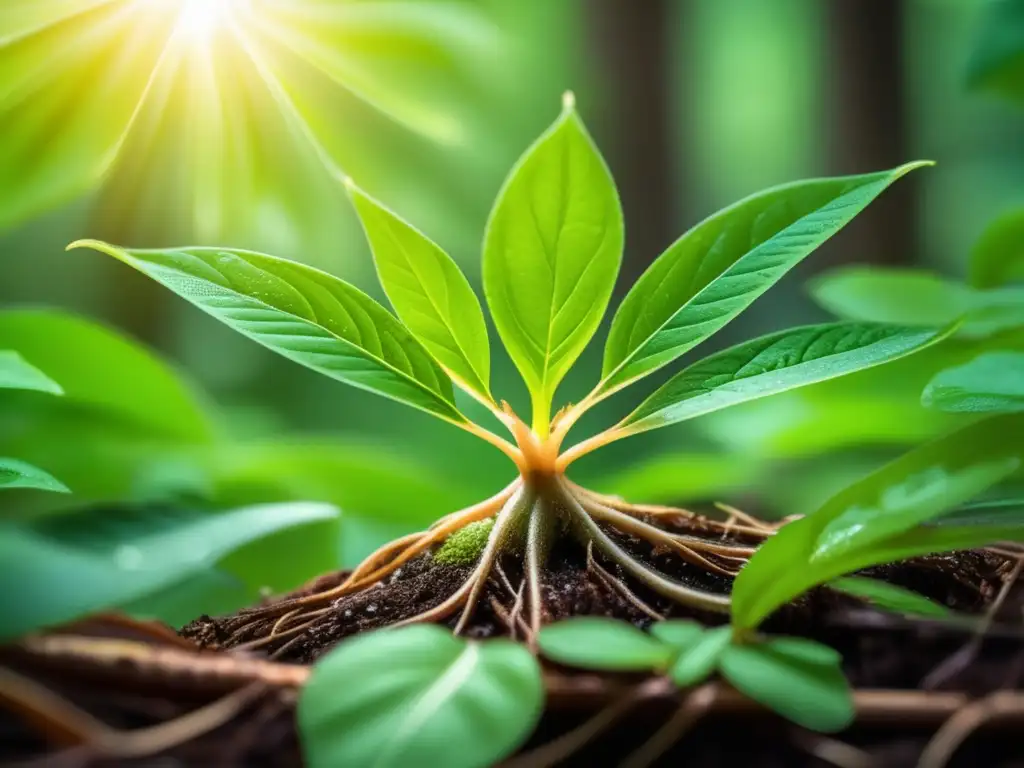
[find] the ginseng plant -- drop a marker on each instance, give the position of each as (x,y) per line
(551,254)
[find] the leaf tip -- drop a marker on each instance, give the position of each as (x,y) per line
(95,245)
(906,168)
(568,101)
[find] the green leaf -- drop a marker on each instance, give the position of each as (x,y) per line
(997,60)
(591,642)
(108,373)
(773,364)
(304,314)
(679,633)
(552,250)
(673,477)
(873,520)
(800,684)
(698,660)
(997,257)
(419,696)
(890,596)
(18,474)
(917,297)
(990,383)
(17,373)
(64,566)
(1001,512)
(718,268)
(429,293)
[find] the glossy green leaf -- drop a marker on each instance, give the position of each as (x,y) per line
(999,512)
(698,660)
(67,565)
(419,696)
(718,268)
(19,474)
(552,250)
(773,364)
(304,314)
(990,383)
(102,370)
(997,257)
(919,298)
(889,596)
(804,686)
(878,519)
(675,477)
(429,293)
(591,642)
(997,59)
(18,373)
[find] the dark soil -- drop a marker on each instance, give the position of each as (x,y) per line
(880,651)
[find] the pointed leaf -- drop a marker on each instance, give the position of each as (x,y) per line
(698,660)
(718,268)
(18,474)
(890,597)
(551,254)
(772,364)
(304,314)
(990,383)
(590,642)
(807,689)
(867,522)
(68,565)
(419,696)
(429,293)
(18,373)
(997,257)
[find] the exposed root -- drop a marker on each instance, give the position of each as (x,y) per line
(530,515)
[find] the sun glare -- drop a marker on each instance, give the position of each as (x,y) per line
(200,19)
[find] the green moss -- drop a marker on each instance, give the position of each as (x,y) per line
(465,546)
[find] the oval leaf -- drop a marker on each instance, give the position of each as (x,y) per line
(890,597)
(773,364)
(304,314)
(18,474)
(551,254)
(876,519)
(17,373)
(718,268)
(429,293)
(990,383)
(68,565)
(698,660)
(808,689)
(419,696)
(590,642)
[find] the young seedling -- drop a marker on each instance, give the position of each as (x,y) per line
(551,254)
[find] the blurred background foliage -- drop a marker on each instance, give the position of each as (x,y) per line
(131,121)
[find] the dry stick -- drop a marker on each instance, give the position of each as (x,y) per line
(833,751)
(664,586)
(566,745)
(652,535)
(614,584)
(67,724)
(961,725)
(694,707)
(962,657)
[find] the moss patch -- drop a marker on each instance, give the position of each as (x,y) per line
(465,546)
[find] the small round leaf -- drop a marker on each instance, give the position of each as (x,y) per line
(788,676)
(591,642)
(419,696)
(695,663)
